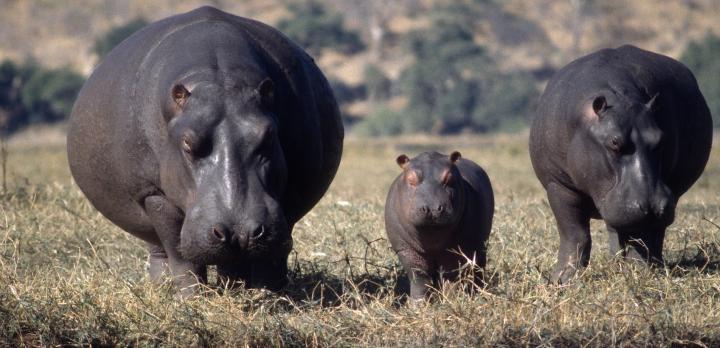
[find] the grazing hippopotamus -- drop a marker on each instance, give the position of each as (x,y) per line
(619,135)
(208,136)
(437,206)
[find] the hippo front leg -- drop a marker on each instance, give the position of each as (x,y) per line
(418,272)
(645,246)
(167,221)
(574,228)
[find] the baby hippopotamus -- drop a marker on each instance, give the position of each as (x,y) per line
(438,206)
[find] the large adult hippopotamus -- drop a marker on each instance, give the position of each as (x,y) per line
(208,136)
(620,135)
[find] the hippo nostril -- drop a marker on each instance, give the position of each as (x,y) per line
(440,208)
(218,233)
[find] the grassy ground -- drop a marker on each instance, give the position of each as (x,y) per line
(68,276)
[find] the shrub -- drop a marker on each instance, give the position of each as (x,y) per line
(455,85)
(30,93)
(49,94)
(377,84)
(382,121)
(314,28)
(116,35)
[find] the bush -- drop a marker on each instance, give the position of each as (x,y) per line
(104,44)
(315,29)
(378,85)
(48,95)
(454,85)
(30,93)
(381,122)
(701,58)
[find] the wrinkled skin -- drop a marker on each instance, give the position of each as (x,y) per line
(208,136)
(619,135)
(437,206)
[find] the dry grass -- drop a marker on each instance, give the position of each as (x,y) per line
(67,276)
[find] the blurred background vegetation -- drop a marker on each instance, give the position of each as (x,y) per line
(397,66)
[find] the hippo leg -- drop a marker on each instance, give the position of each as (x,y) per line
(574,227)
(645,247)
(167,221)
(158,263)
(418,271)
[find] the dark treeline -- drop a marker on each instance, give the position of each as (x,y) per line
(452,84)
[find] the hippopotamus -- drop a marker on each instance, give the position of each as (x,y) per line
(438,216)
(619,135)
(208,136)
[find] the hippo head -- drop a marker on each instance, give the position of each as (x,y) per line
(622,159)
(224,141)
(431,194)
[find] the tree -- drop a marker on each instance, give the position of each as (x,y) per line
(701,57)
(454,84)
(104,44)
(314,28)
(30,93)
(48,95)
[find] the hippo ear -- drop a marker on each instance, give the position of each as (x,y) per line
(652,103)
(599,105)
(266,89)
(402,161)
(180,95)
(455,156)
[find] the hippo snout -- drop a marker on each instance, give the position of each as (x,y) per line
(248,234)
(432,214)
(243,236)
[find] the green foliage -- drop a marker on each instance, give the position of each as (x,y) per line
(115,36)
(314,28)
(382,121)
(455,85)
(702,58)
(49,94)
(378,85)
(30,93)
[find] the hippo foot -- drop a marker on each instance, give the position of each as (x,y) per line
(563,273)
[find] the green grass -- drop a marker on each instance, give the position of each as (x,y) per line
(68,276)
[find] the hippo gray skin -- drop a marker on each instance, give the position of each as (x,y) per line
(437,206)
(207,136)
(619,135)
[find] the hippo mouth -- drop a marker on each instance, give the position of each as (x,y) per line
(218,247)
